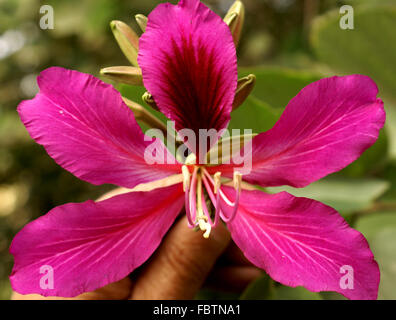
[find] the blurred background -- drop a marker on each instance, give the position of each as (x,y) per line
(285,43)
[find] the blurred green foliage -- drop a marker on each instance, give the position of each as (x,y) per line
(265,289)
(294,42)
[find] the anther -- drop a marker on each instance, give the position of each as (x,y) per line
(191,159)
(237,180)
(217,181)
(186,178)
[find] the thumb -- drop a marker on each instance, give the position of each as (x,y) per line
(181,264)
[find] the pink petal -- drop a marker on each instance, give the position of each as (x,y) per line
(302,242)
(328,125)
(92,244)
(189,65)
(88,130)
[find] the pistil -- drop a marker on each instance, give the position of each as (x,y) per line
(201,217)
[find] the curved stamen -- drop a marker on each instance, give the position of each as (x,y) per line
(215,202)
(234,205)
(186,189)
(215,199)
(202,218)
(190,200)
(186,178)
(209,188)
(205,207)
(187,208)
(237,187)
(217,187)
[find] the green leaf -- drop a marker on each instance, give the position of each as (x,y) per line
(370,2)
(391,128)
(371,160)
(330,295)
(371,225)
(276,86)
(254,114)
(344,195)
(133,93)
(260,289)
(297,293)
(383,246)
(390,175)
(265,289)
(370,49)
(380,231)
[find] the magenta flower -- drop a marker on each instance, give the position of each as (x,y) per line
(188,59)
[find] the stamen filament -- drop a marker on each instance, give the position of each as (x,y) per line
(215,200)
(217,181)
(209,188)
(191,223)
(233,205)
(223,196)
(237,180)
(202,218)
(190,200)
(186,178)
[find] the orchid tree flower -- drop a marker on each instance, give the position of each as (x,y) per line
(188,61)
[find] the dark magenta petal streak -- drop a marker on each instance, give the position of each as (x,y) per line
(188,61)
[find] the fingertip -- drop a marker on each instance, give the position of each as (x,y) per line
(182,263)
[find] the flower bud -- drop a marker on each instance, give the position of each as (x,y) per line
(148,98)
(127,75)
(141,21)
(127,39)
(234,19)
(244,88)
